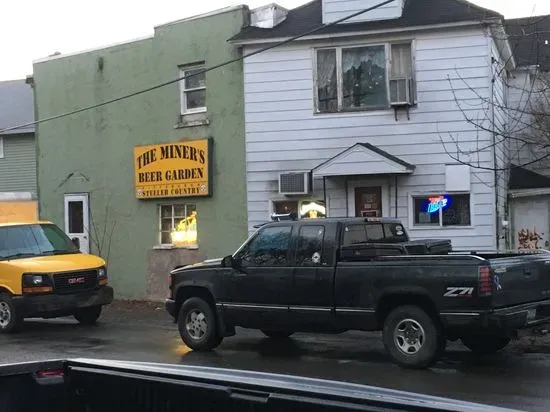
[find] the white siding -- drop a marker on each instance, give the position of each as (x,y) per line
(499,120)
(337,9)
(283,133)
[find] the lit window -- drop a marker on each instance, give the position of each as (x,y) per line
(312,210)
(193,89)
(442,210)
(178,225)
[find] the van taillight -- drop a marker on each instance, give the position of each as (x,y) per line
(485,281)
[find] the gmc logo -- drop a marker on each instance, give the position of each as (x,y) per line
(73,281)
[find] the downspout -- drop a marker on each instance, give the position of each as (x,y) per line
(395,182)
(495,160)
(325,196)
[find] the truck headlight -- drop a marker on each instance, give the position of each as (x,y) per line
(36,283)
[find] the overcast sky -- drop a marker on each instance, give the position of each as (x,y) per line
(37,28)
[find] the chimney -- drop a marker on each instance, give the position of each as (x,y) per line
(336,9)
(267,17)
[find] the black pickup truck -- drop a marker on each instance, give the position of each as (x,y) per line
(333,275)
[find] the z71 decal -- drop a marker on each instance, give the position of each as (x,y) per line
(455,292)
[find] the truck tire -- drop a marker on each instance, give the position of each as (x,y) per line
(198,325)
(485,344)
(412,337)
(88,316)
(10,320)
(276,334)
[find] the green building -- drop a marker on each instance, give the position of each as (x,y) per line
(157,180)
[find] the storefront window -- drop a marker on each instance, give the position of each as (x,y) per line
(312,210)
(442,210)
(178,225)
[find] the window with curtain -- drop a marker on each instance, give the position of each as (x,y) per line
(357,78)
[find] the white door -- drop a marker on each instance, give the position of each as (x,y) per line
(531,223)
(77,220)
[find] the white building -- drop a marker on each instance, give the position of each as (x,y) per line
(376,112)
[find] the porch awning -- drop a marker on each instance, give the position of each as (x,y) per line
(363,159)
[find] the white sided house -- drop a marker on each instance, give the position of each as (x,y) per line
(369,117)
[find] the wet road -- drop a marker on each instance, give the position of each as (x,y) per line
(511,379)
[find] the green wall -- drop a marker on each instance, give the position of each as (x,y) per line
(93,151)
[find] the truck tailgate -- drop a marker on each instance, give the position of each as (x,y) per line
(521,279)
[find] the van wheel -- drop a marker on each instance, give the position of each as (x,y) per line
(485,344)
(198,325)
(10,320)
(276,334)
(412,337)
(88,316)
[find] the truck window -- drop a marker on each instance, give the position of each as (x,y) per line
(268,248)
(309,249)
(374,233)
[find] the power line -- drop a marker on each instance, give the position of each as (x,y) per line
(217,66)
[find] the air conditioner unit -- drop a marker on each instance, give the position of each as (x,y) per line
(294,183)
(401,91)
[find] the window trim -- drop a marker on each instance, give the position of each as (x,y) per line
(414,226)
(339,75)
(183,97)
(161,245)
(1,147)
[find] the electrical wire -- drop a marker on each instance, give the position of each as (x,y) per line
(217,66)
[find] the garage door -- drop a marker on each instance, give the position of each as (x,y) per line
(531,224)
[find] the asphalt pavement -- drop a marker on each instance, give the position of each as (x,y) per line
(518,377)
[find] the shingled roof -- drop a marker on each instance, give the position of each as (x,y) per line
(530,40)
(415,13)
(16,106)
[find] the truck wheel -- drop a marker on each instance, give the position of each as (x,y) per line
(88,316)
(197,325)
(485,345)
(10,321)
(276,334)
(412,338)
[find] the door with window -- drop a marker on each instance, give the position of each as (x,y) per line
(77,220)
(368,201)
(312,293)
(259,288)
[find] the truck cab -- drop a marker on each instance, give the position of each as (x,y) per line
(43,274)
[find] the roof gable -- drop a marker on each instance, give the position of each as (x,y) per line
(415,13)
(16,106)
(363,159)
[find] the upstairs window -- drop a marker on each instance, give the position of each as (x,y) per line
(363,78)
(193,90)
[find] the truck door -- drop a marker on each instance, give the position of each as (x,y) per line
(259,289)
(311,300)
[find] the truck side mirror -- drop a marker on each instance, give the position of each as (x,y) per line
(229,262)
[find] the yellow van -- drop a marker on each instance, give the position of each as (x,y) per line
(43,274)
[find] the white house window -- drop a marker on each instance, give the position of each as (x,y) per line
(193,90)
(178,225)
(362,77)
(1,147)
(442,210)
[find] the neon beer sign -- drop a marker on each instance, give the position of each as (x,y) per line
(435,204)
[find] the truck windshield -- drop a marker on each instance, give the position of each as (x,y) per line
(34,240)
(374,233)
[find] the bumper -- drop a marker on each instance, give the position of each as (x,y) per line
(170,306)
(530,316)
(61,305)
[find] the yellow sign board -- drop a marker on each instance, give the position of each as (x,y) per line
(181,169)
(18,211)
